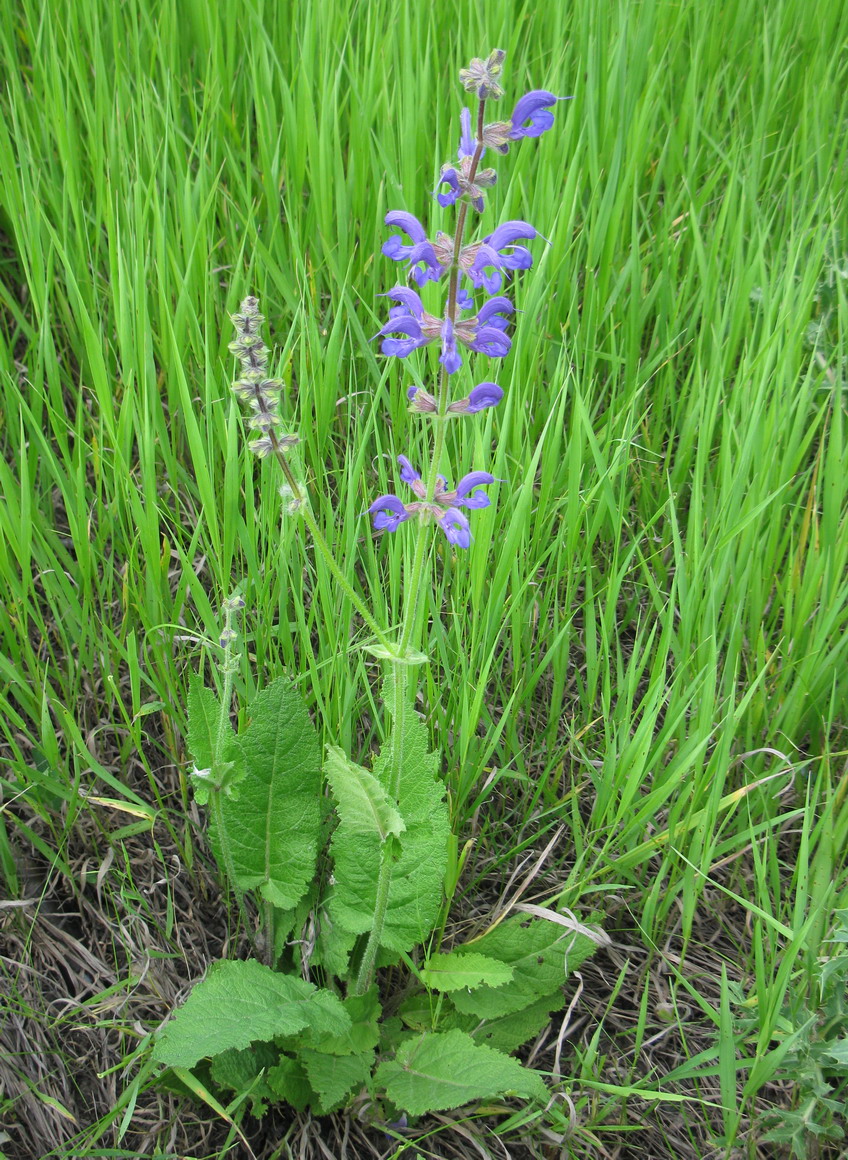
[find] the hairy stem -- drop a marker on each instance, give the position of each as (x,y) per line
(369,958)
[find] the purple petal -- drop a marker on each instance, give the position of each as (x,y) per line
(388,512)
(407,222)
(466,141)
(484,395)
(492,342)
(456,527)
(403,324)
(519,258)
(450,178)
(467,484)
(464,300)
(499,305)
(509,233)
(533,108)
(407,472)
(408,297)
(400,347)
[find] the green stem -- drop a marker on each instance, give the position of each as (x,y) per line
(369,958)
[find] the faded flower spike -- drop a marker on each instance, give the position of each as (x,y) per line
(255,387)
(481,76)
(389,512)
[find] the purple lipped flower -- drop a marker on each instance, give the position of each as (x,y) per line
(422,255)
(450,357)
(389,512)
(482,396)
(484,332)
(456,527)
(533,107)
(497,252)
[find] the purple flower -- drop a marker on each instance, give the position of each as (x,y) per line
(484,395)
(505,237)
(533,107)
(421,255)
(497,252)
(389,512)
(484,333)
(456,527)
(450,357)
(467,144)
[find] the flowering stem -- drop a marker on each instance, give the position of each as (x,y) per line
(415,586)
(414,589)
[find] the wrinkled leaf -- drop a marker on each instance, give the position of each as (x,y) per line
(442,1070)
(241,1002)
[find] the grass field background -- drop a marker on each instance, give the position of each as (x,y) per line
(637,668)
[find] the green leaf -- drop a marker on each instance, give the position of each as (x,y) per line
(442,1070)
(332,1077)
(453,971)
(241,1002)
(837,1051)
(288,1082)
(364,1033)
(204,714)
(273,827)
(507,1032)
(363,804)
(415,892)
(542,956)
(242,1071)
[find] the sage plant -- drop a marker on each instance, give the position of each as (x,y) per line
(306,1026)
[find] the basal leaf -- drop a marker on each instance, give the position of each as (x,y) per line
(241,1002)
(442,1070)
(288,1081)
(333,1077)
(363,804)
(542,956)
(273,827)
(454,971)
(244,1070)
(507,1032)
(364,1032)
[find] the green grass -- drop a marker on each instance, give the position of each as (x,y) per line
(646,644)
